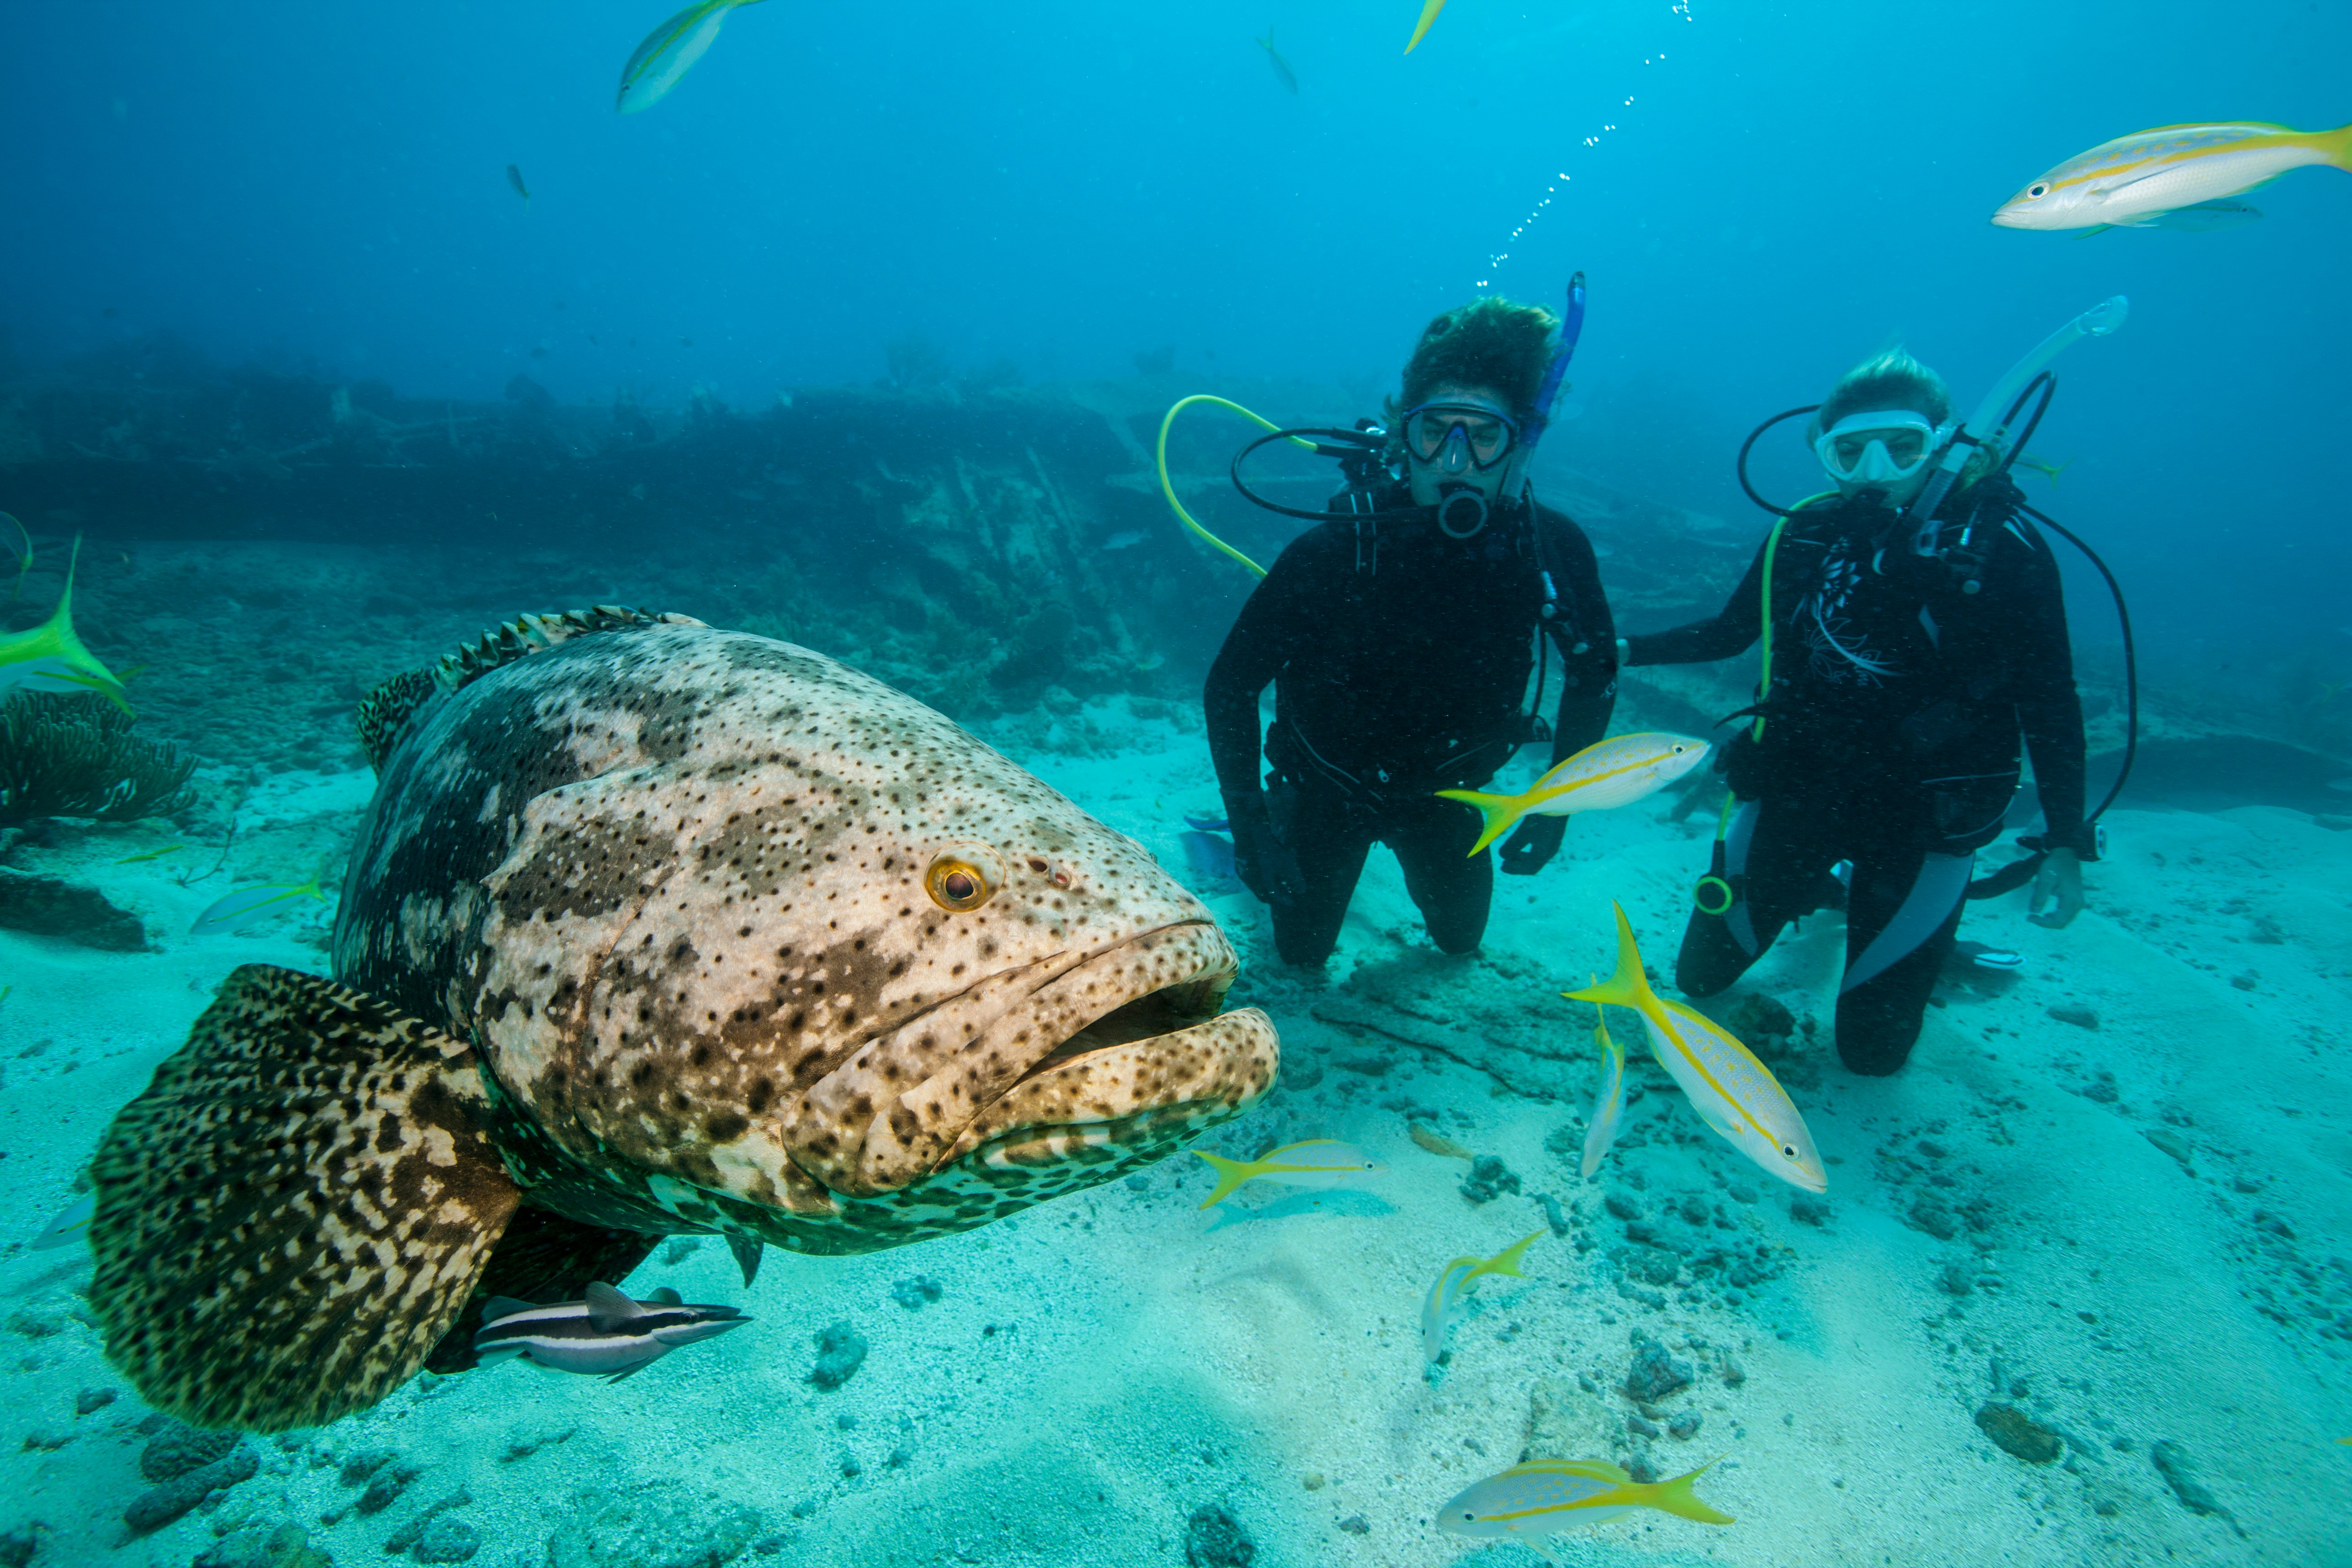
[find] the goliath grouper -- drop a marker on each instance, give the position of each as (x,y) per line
(650,929)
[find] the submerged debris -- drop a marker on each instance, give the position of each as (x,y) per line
(840,1352)
(915,1291)
(1655,1373)
(1215,1539)
(1488,1179)
(2017,1433)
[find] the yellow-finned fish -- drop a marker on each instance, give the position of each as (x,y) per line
(1733,1092)
(669,51)
(2043,465)
(250,906)
(1283,73)
(1528,1502)
(50,657)
(70,1228)
(1611,773)
(1315,1163)
(1428,14)
(2168,177)
(1454,1283)
(1609,1107)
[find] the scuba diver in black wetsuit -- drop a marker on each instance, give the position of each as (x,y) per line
(1898,682)
(1397,636)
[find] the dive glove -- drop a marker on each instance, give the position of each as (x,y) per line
(1265,866)
(1530,848)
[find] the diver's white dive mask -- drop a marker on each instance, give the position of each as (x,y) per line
(1881,446)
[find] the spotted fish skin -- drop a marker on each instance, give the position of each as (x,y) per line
(650,929)
(672,881)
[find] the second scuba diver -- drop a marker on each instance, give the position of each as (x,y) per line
(1898,685)
(1397,638)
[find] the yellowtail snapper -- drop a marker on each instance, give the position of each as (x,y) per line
(1528,1502)
(2175,177)
(71,1228)
(1609,1105)
(1315,1163)
(669,51)
(1428,14)
(1733,1092)
(1454,1283)
(1289,79)
(250,906)
(1607,773)
(607,1335)
(50,657)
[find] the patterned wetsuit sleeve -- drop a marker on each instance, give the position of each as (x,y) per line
(1256,649)
(2049,709)
(1587,693)
(1732,632)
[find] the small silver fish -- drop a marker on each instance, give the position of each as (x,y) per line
(608,1335)
(669,51)
(1454,1283)
(250,906)
(1282,71)
(1126,541)
(68,1229)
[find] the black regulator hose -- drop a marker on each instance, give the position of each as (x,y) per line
(1749,445)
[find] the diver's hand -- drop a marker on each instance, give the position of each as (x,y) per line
(1265,866)
(2060,878)
(1530,847)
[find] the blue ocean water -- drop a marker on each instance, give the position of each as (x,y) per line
(338,336)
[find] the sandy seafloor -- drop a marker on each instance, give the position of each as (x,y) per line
(1095,1371)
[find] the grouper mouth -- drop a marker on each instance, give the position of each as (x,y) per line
(1075,1047)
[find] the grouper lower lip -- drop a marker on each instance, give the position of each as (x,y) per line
(1092,1038)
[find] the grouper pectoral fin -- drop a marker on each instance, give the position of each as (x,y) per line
(296,1209)
(746,1249)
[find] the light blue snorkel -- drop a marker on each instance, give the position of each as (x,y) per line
(1538,419)
(1998,412)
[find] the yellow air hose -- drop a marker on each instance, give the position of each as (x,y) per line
(1169,489)
(1772,548)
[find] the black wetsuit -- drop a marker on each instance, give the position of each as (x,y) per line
(1899,693)
(1400,659)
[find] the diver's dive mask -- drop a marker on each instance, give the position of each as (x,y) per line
(1455,436)
(1880,446)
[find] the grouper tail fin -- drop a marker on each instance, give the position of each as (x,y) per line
(1629,986)
(1499,810)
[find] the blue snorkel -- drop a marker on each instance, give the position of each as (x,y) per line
(1538,420)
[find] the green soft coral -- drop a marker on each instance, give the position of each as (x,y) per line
(75,756)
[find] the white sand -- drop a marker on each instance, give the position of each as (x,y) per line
(1149,1359)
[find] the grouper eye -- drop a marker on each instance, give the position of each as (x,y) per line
(963,877)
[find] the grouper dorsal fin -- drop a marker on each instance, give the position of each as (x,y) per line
(528,635)
(384,712)
(296,1210)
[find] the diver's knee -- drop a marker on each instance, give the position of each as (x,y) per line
(1877,1047)
(1709,959)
